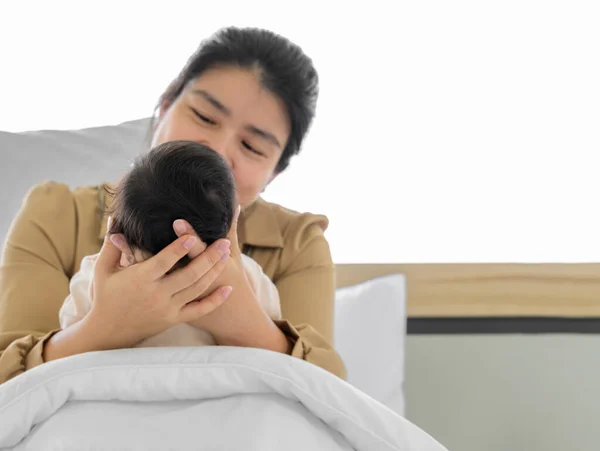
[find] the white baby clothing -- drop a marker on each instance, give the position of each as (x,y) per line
(79,303)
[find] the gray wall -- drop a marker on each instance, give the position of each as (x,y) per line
(506,392)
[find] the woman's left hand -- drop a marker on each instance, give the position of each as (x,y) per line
(234,273)
(241,321)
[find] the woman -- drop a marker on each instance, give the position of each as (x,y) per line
(250,95)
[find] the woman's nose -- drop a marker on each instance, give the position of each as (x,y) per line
(223,145)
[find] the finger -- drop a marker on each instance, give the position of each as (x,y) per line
(233,231)
(197,249)
(182,227)
(199,288)
(108,259)
(201,271)
(234,222)
(197,309)
(159,264)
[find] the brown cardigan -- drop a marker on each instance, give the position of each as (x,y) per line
(57,227)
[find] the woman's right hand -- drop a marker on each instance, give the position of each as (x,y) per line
(134,303)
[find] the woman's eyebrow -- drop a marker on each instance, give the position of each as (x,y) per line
(212,100)
(264,135)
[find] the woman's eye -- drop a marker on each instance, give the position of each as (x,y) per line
(250,148)
(203,118)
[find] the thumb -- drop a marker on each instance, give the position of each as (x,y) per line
(109,257)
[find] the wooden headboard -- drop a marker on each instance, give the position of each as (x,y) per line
(490,290)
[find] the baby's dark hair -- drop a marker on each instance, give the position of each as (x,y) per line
(175,180)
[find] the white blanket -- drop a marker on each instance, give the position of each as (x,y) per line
(195,398)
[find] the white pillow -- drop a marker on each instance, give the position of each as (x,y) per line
(75,157)
(370,331)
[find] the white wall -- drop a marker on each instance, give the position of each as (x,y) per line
(446,131)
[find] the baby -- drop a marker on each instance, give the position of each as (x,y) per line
(175,180)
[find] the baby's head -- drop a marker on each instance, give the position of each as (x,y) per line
(175,180)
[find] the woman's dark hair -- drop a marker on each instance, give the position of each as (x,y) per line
(285,70)
(175,180)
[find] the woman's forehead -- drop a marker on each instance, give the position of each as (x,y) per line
(237,93)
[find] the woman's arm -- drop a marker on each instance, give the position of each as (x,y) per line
(38,254)
(52,228)
(306,286)
(241,321)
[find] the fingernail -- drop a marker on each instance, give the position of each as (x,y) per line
(223,246)
(179,226)
(189,242)
(117,240)
(226,291)
(226,255)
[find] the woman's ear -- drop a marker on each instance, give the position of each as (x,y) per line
(162,109)
(165,103)
(155,123)
(159,113)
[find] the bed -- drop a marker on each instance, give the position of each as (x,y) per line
(214,397)
(430,328)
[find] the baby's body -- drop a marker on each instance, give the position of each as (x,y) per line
(175,180)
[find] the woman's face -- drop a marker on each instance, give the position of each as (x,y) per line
(226,109)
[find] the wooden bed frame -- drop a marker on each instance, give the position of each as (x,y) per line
(556,290)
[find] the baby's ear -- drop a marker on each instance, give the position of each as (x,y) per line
(127,255)
(127,258)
